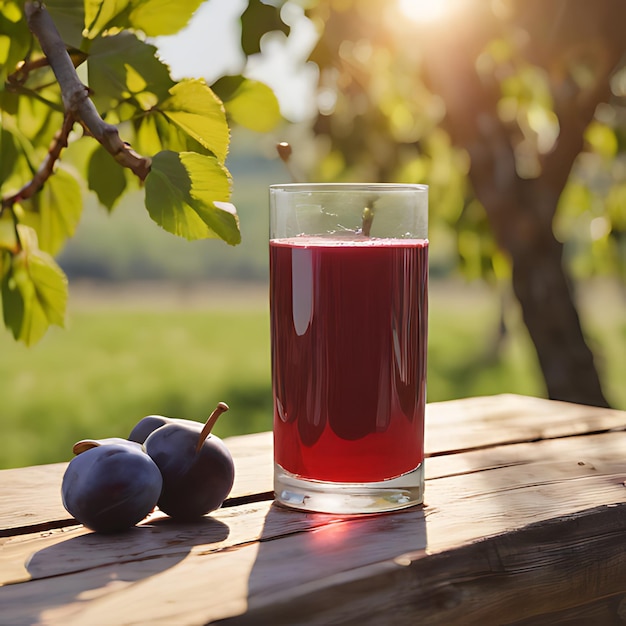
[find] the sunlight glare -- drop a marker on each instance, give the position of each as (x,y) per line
(426,11)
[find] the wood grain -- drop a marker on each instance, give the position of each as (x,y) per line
(548,567)
(21,512)
(457,425)
(261,560)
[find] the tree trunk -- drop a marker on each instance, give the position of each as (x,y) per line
(521,211)
(542,289)
(541,286)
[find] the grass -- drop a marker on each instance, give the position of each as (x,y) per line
(113,366)
(179,351)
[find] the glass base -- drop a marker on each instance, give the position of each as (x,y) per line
(349,498)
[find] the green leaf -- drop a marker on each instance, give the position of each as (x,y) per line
(15,38)
(196,111)
(258,19)
(9,152)
(15,168)
(8,238)
(148,139)
(248,103)
(38,123)
(192,119)
(69,18)
(187,194)
(106,177)
(55,211)
(154,132)
(34,291)
(9,102)
(162,17)
(99,13)
(122,67)
(12,304)
(5,262)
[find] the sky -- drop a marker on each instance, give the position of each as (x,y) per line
(209,47)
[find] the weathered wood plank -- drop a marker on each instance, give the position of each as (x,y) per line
(198,574)
(549,567)
(473,423)
(462,587)
(566,462)
(20,509)
(495,420)
(607,611)
(30,496)
(75,549)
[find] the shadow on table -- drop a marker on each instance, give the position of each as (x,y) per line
(81,567)
(305,558)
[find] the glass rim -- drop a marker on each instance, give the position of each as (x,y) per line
(352,187)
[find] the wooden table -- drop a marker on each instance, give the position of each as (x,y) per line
(524,522)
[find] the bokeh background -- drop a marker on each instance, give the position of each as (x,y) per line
(161,325)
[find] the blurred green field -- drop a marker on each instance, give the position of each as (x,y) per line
(178,350)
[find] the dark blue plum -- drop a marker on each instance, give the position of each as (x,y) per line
(197,468)
(111,487)
(150,423)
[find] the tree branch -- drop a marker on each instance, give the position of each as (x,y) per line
(76,95)
(596,42)
(24,68)
(47,167)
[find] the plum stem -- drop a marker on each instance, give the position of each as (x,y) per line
(284,152)
(206,429)
(367,217)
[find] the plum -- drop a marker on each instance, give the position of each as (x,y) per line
(197,468)
(110,485)
(150,423)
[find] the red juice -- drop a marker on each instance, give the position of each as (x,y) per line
(349,324)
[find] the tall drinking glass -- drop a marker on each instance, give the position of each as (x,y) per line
(348,302)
